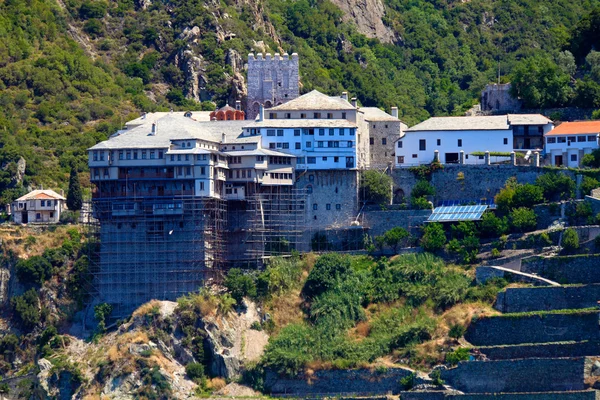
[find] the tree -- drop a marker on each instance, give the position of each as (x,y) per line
(523,219)
(395,236)
(540,83)
(527,195)
(35,269)
(101,312)
(422,188)
(27,308)
(434,237)
(329,271)
(239,285)
(588,184)
(376,187)
(570,240)
(556,186)
(74,196)
(493,226)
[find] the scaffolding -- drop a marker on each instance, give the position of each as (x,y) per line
(276,223)
(154,248)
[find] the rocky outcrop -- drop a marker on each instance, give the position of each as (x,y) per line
(16,170)
(367,15)
(233,342)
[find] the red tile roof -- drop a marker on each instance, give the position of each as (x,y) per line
(574,128)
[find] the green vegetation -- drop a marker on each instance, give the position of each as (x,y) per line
(523,219)
(35,269)
(570,240)
(27,309)
(74,196)
(102,313)
(239,285)
(434,237)
(376,187)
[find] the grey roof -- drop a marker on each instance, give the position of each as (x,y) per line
(149,118)
(528,119)
(41,194)
(301,123)
(314,100)
(496,122)
(257,152)
(376,114)
(173,126)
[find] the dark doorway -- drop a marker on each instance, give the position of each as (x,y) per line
(24,217)
(527,144)
(451,158)
(558,161)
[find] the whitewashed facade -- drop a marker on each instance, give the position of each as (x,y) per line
(38,207)
(570,141)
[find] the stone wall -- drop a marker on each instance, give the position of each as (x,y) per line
(579,395)
(544,328)
(565,269)
(379,222)
(542,350)
(547,298)
(528,375)
(338,382)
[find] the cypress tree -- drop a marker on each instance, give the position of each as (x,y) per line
(74,197)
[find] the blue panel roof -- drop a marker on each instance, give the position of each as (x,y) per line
(457,213)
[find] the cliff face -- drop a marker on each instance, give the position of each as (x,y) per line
(367,15)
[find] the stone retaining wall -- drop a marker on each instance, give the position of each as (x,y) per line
(565,269)
(381,221)
(339,382)
(542,350)
(544,328)
(514,300)
(506,376)
(583,395)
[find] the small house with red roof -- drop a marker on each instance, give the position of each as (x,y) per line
(38,207)
(228,113)
(566,144)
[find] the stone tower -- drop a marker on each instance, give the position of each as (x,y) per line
(271,81)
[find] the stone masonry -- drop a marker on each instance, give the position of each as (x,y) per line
(271,81)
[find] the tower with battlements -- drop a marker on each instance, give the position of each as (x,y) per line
(271,81)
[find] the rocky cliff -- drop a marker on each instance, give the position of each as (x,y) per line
(367,15)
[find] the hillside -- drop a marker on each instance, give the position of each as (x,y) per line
(73,71)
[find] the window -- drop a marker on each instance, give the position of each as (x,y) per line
(329,115)
(187,157)
(309,189)
(105,173)
(311,131)
(591,138)
(296,132)
(279,132)
(572,139)
(383,141)
(152,155)
(414,156)
(286,145)
(144,155)
(302,115)
(311,160)
(459,142)
(551,140)
(270,132)
(573,157)
(320,143)
(272,115)
(439,142)
(308,144)
(201,185)
(51,214)
(336,159)
(374,126)
(422,145)
(95,156)
(321,132)
(338,207)
(371,141)
(343,115)
(386,126)
(324,158)
(331,131)
(562,140)
(288,115)
(179,170)
(271,145)
(342,131)
(178,157)
(315,206)
(128,155)
(188,170)
(399,144)
(351,131)
(260,158)
(316,115)
(400,159)
(160,155)
(505,140)
(311,178)
(43,203)
(120,155)
(297,145)
(202,170)
(300,160)
(38,216)
(328,207)
(581,138)
(350,143)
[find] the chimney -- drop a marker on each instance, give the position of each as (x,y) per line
(345,96)
(395,112)
(261,113)
(353,101)
(153,129)
(222,137)
(238,105)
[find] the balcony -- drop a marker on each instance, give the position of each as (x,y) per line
(140,194)
(146,175)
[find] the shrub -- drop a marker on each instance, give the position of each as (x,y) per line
(101,313)
(27,308)
(463,230)
(523,219)
(329,270)
(460,354)
(239,285)
(395,236)
(556,186)
(194,371)
(504,198)
(588,184)
(422,188)
(434,237)
(376,187)
(457,331)
(495,253)
(35,269)
(527,195)
(570,240)
(493,226)
(409,381)
(420,203)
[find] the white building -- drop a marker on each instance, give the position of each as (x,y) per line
(38,207)
(568,142)
(472,135)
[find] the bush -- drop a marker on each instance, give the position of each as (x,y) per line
(588,184)
(463,230)
(570,240)
(194,371)
(523,219)
(329,270)
(408,382)
(102,313)
(493,226)
(527,195)
(27,308)
(239,285)
(395,236)
(422,189)
(556,186)
(460,354)
(420,203)
(376,187)
(434,237)
(457,331)
(35,269)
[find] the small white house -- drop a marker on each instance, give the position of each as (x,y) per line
(38,207)
(568,142)
(472,135)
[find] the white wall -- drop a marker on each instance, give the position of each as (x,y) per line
(472,141)
(570,150)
